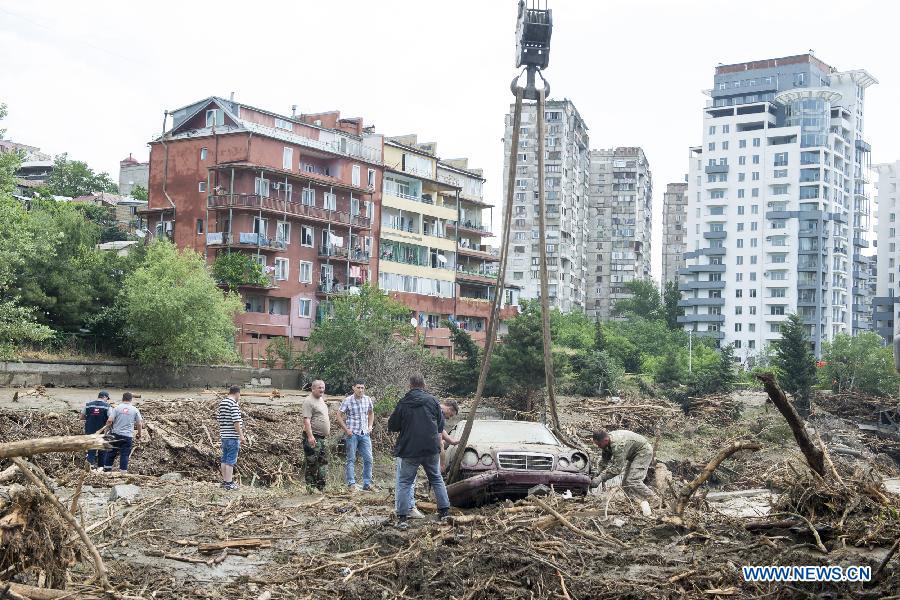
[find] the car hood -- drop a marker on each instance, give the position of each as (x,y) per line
(538,448)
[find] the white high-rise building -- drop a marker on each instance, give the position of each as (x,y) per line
(619,226)
(886,311)
(566,166)
(777,205)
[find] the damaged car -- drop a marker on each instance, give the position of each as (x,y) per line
(505,459)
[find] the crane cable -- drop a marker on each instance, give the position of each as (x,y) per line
(494,316)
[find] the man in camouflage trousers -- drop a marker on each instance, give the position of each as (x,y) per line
(629,454)
(316,428)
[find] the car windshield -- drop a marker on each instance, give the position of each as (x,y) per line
(508,432)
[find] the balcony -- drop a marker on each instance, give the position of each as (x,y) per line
(701,269)
(477,253)
(468,226)
(701,302)
(269,283)
(473,276)
(257,240)
(283,207)
(705,252)
(701,285)
(714,235)
(716,169)
(340,253)
(701,319)
(332,289)
(716,335)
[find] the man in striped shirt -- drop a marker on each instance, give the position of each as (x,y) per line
(231,433)
(356,417)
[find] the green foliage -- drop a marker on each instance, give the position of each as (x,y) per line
(74,178)
(174,312)
(359,325)
(517,367)
(104,218)
(645,301)
(631,342)
(859,363)
(795,362)
(280,348)
(595,373)
(17,327)
(233,269)
(572,330)
(139,192)
(599,337)
(462,374)
(670,299)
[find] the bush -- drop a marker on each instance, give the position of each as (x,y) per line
(860,363)
(234,269)
(595,373)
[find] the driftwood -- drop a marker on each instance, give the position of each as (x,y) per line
(887,558)
(814,456)
(245,543)
(92,549)
(687,491)
(64,443)
(36,593)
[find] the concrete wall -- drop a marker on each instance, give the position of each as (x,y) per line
(99,374)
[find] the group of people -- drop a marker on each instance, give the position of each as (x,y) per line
(419,419)
(124,424)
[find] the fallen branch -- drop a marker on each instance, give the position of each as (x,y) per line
(64,443)
(36,593)
(887,558)
(687,491)
(814,456)
(568,525)
(247,543)
(99,567)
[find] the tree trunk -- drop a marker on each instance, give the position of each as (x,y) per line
(65,443)
(687,491)
(814,456)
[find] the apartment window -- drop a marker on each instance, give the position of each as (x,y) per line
(725,145)
(203,153)
(330,201)
(738,310)
(305,272)
(776,310)
(712,146)
(260,226)
(737,344)
(518,275)
(716,194)
(751,344)
(259,259)
(753,243)
(370,181)
(308,197)
(740,261)
(306,236)
(199,226)
(754,209)
(201,186)
(755,176)
(738,276)
(737,327)
(742,160)
(741,192)
(712,130)
(893,217)
(283,232)
(775,327)
(756,142)
(287,159)
(740,209)
(553,116)
(754,225)
(261,187)
(753,308)
(740,226)
(738,293)
(215,117)
(777,292)
(779,190)
(355,175)
(753,259)
(282,124)
(742,176)
(742,143)
(726,128)
(281,269)
(754,193)
(523,157)
(304,306)
(756,159)
(781,173)
(781,159)
(740,243)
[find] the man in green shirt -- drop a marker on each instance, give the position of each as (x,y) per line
(629,454)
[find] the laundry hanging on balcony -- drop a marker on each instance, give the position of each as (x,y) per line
(335,240)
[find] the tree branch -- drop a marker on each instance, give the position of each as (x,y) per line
(814,456)
(687,491)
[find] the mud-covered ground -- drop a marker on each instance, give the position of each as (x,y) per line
(343,544)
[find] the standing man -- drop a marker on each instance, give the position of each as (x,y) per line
(449,408)
(231,432)
(356,417)
(316,427)
(420,422)
(125,424)
(94,414)
(628,453)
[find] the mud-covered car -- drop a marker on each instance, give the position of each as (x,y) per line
(505,459)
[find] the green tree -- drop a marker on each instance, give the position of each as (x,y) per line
(572,329)
(795,364)
(599,336)
(670,299)
(595,373)
(104,217)
(233,269)
(175,313)
(74,178)
(518,364)
(859,363)
(358,325)
(17,327)
(139,192)
(645,301)
(462,374)
(726,376)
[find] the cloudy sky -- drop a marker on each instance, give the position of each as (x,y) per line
(93,78)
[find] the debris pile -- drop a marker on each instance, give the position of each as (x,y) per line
(715,408)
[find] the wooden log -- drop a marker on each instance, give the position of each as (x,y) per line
(687,491)
(64,443)
(99,567)
(886,560)
(814,456)
(36,593)
(245,543)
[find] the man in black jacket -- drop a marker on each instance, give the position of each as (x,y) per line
(419,420)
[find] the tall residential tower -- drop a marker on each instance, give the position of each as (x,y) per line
(777,205)
(886,312)
(674,222)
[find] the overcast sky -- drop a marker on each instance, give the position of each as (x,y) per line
(93,78)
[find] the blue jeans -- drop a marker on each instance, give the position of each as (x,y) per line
(121,445)
(408,469)
(412,489)
(363,443)
(97,458)
(230,449)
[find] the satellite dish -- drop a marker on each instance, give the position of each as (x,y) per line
(413,322)
(140,233)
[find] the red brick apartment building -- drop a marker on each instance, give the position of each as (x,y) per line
(300,194)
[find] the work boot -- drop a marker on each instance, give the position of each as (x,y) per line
(444,515)
(401,522)
(415,513)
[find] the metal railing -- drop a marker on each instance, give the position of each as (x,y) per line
(287,207)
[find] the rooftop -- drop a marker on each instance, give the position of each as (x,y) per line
(775,62)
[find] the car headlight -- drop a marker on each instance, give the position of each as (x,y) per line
(579,461)
(487,460)
(470,458)
(562,463)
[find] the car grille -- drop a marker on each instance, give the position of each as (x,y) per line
(525,462)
